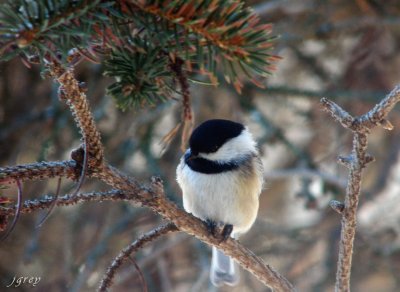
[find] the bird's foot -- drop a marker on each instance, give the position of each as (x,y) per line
(226,232)
(211,227)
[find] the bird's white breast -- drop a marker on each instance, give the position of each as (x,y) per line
(229,197)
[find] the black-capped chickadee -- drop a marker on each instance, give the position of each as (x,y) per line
(221,177)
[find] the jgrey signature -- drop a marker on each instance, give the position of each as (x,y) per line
(18,281)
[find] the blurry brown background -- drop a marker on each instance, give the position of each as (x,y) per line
(347,51)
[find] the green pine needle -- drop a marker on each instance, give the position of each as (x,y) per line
(137,39)
(48,27)
(142,76)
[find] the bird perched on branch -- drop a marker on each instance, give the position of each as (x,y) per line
(221,177)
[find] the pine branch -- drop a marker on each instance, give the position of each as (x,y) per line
(210,34)
(355,162)
(138,38)
(74,95)
(142,75)
(39,171)
(30,206)
(48,28)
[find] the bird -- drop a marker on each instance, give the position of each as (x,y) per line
(221,178)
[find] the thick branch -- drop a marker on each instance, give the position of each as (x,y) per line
(153,197)
(243,256)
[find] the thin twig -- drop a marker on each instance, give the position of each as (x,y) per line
(17,212)
(53,204)
(133,247)
(141,276)
(153,257)
(356,162)
(187,113)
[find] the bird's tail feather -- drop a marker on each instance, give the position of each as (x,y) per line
(223,269)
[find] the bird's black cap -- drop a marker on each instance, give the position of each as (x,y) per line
(209,136)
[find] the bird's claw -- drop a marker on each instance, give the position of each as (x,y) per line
(226,232)
(212,229)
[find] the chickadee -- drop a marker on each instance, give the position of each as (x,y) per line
(221,177)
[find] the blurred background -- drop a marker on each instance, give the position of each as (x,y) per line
(347,51)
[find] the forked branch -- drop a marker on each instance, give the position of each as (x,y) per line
(355,162)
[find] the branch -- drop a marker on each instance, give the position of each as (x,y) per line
(219,34)
(17,212)
(187,112)
(356,162)
(151,195)
(31,206)
(74,95)
(154,198)
(366,122)
(42,26)
(132,248)
(39,171)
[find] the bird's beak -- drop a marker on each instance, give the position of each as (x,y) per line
(189,155)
